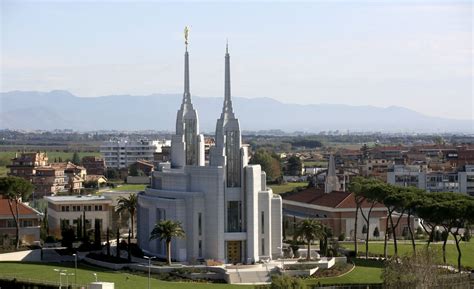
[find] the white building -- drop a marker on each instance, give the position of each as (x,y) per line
(65,211)
(466,180)
(227,211)
(432,181)
(122,153)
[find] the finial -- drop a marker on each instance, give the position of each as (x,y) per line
(227,45)
(186,36)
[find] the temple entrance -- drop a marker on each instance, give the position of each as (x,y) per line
(234,252)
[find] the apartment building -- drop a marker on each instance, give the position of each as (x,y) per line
(25,165)
(423,177)
(466,180)
(122,153)
(48,181)
(94,165)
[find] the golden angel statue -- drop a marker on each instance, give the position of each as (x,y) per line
(186,35)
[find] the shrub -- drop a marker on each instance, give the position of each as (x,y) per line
(287,282)
(50,239)
(342,237)
(376,232)
(467,235)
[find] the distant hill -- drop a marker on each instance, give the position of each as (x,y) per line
(63,110)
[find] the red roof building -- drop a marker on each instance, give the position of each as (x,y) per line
(29,224)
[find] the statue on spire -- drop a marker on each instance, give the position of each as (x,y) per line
(186,35)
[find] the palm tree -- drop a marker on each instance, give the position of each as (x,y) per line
(166,230)
(129,205)
(15,189)
(309,230)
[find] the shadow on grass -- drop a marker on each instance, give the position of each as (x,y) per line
(80,265)
(368,263)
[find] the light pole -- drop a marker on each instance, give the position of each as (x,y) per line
(149,268)
(61,272)
(67,278)
(75,268)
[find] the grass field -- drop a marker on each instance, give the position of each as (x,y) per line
(5,157)
(122,280)
(467,250)
(126,187)
(311,164)
(365,272)
(3,171)
(279,189)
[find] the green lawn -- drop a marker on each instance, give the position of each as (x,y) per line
(467,250)
(366,271)
(311,164)
(122,280)
(279,189)
(122,188)
(6,156)
(3,171)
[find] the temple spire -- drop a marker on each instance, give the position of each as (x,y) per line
(227,110)
(187,93)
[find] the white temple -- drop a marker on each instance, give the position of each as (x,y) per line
(227,211)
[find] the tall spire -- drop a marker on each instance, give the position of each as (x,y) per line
(227,109)
(187,93)
(332,182)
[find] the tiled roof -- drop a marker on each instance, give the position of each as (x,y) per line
(22,209)
(335,199)
(94,177)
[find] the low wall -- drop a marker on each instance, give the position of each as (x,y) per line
(340,260)
(107,265)
(300,273)
(138,180)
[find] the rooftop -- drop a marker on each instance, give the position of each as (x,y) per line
(22,209)
(78,198)
(335,199)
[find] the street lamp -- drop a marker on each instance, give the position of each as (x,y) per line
(75,268)
(149,268)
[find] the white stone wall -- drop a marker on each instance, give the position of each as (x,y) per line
(277,230)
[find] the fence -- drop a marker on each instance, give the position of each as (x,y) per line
(349,286)
(12,281)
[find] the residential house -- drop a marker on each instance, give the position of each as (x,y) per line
(25,165)
(94,165)
(30,221)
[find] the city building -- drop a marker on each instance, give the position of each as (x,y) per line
(337,211)
(65,211)
(466,180)
(48,181)
(227,211)
(94,165)
(30,220)
(122,153)
(25,165)
(74,176)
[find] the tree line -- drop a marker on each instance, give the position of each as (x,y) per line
(453,212)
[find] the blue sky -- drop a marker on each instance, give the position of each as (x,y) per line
(415,54)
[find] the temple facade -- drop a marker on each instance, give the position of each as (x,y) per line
(225,207)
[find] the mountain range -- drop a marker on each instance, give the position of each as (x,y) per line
(60,109)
